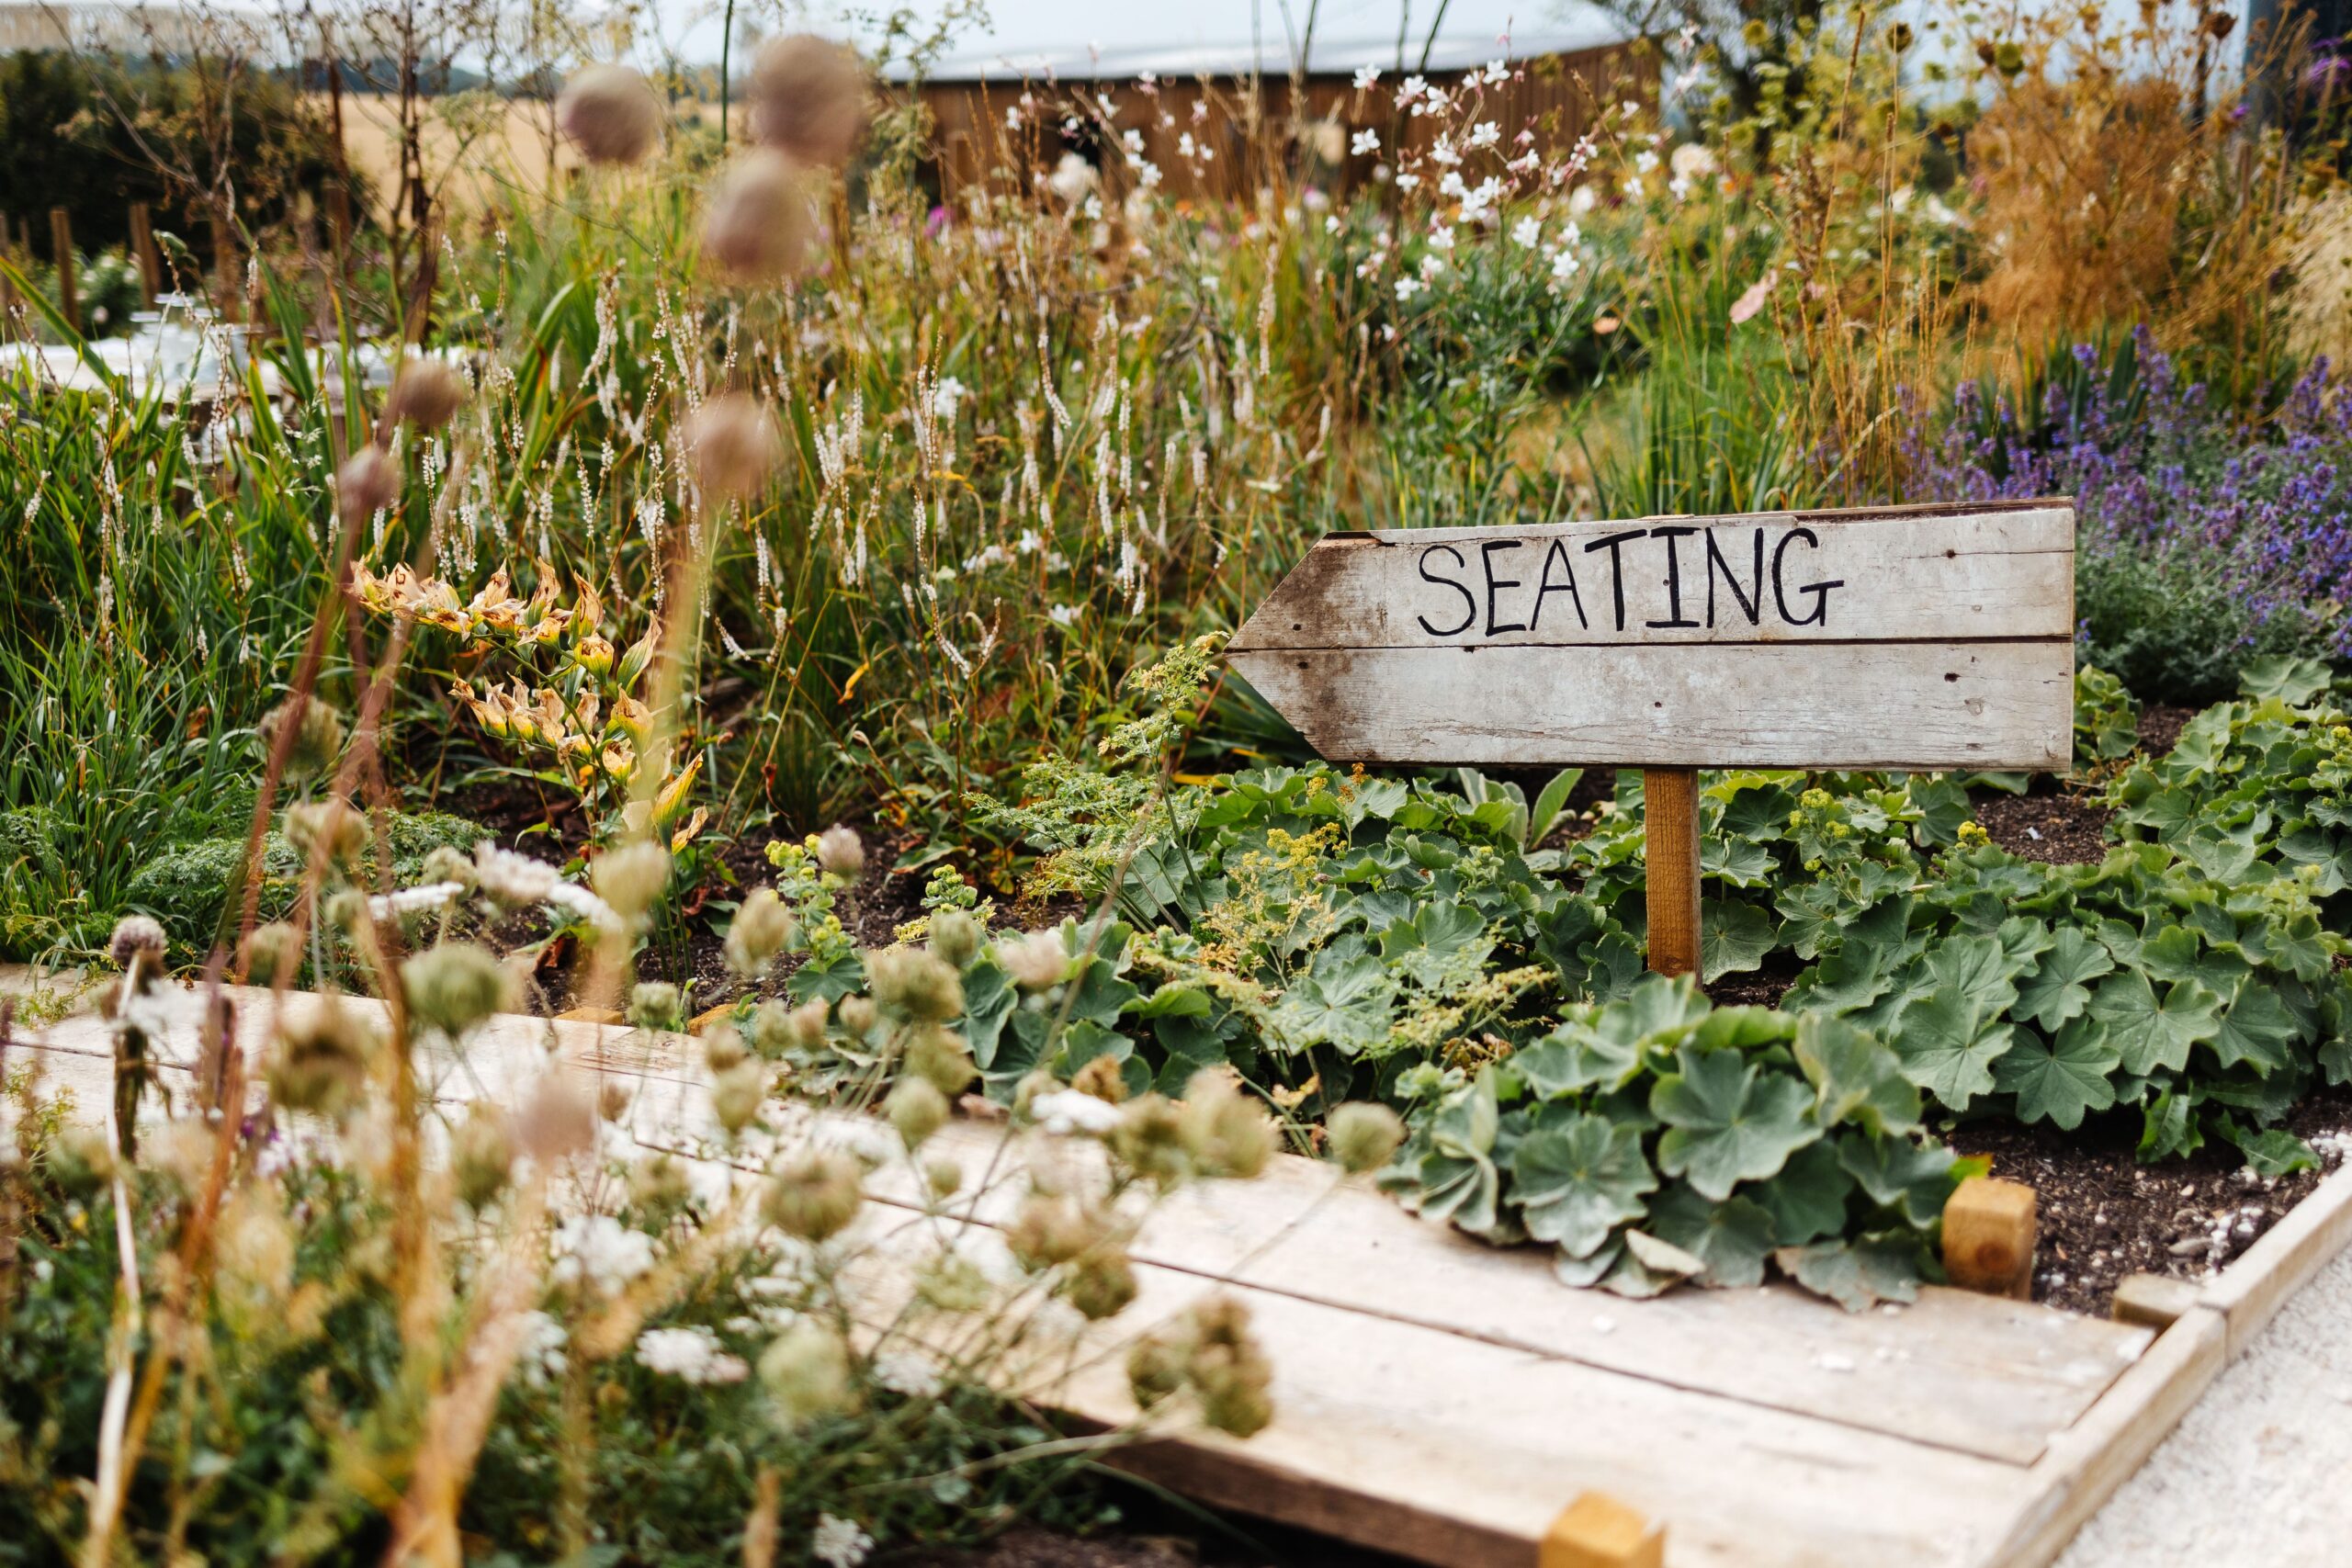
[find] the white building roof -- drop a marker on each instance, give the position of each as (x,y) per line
(1089,39)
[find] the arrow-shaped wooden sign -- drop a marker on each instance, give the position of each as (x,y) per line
(1897,637)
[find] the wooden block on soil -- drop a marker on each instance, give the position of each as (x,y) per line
(1989,1227)
(1598,1532)
(2153,1301)
(592,1015)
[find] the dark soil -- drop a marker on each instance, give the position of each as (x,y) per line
(2159,726)
(1759,988)
(2056,828)
(2104,1215)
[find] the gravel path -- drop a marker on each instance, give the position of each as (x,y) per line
(2259,1473)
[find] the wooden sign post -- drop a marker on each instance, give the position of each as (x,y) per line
(1904,638)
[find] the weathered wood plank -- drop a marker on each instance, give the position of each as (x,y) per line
(1925,574)
(2250,1291)
(1997,705)
(2091,1459)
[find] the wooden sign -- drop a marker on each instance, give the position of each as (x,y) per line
(1909,637)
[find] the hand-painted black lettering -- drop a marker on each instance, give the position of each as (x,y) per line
(1486,559)
(1546,585)
(1612,543)
(1469,604)
(1673,535)
(1820,590)
(1752,602)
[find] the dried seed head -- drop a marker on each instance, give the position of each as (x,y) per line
(738,1093)
(329,827)
(808,99)
(480,1155)
(318,734)
(610,113)
(137,936)
(425,394)
(322,1061)
(80,1160)
(455,987)
(367,482)
(857,1016)
(631,876)
(557,1121)
(777,1028)
(272,953)
(654,1004)
(1037,962)
(841,853)
(1156,1370)
(1363,1136)
(805,1373)
(956,936)
(613,1101)
(1227,1370)
(1149,1141)
(916,1108)
(659,1186)
(912,984)
(734,445)
(446,863)
(1101,1079)
(1054,1228)
(1099,1285)
(722,1047)
(816,1196)
(761,223)
(943,1177)
(762,925)
(939,1056)
(1228,1133)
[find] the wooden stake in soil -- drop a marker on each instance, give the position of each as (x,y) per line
(143,245)
(1989,1229)
(1598,1532)
(1670,861)
(61,244)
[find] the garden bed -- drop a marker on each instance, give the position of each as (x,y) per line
(1421,1378)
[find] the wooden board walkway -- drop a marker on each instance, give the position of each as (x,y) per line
(1446,1400)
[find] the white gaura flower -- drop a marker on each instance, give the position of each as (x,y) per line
(1069,1110)
(1527,232)
(1582,201)
(1366,75)
(600,1251)
(1366,142)
(1065,615)
(1486,134)
(839,1543)
(1692,161)
(1564,264)
(540,1355)
(1407,287)
(692,1355)
(910,1372)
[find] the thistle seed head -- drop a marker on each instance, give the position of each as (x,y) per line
(480,1155)
(761,927)
(761,223)
(939,1056)
(1363,1136)
(816,1196)
(738,1093)
(631,876)
(367,482)
(322,1063)
(912,984)
(956,936)
(318,734)
(805,1373)
(734,445)
(455,987)
(610,113)
(137,936)
(426,394)
(808,99)
(1228,1133)
(655,1004)
(1037,962)
(841,853)
(272,953)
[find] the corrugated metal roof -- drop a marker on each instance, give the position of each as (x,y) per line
(1089,40)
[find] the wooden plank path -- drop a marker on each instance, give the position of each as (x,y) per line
(1446,1400)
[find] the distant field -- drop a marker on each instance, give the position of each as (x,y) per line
(511,153)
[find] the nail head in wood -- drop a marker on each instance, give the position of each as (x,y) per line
(1989,1230)
(1598,1531)
(2153,1301)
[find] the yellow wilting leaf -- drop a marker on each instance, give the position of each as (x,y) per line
(1291,1098)
(854,677)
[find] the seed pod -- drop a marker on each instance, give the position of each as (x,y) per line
(1037,962)
(733,442)
(805,1373)
(453,987)
(137,936)
(737,1096)
(939,1056)
(1363,1136)
(425,394)
(318,734)
(816,1196)
(480,1155)
(722,1047)
(322,1061)
(761,224)
(654,1004)
(956,936)
(328,825)
(610,113)
(631,877)
(842,853)
(1101,1285)
(761,926)
(808,99)
(367,482)
(1227,1134)
(916,1108)
(272,952)
(913,984)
